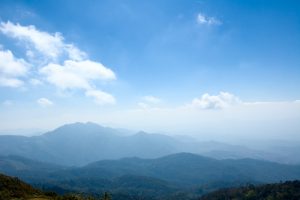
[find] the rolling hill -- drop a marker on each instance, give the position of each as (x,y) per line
(279,191)
(183,172)
(13,188)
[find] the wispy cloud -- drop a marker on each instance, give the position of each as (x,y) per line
(205,20)
(49,45)
(101,97)
(44,102)
(149,101)
(12,69)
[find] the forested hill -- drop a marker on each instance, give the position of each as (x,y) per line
(13,188)
(289,190)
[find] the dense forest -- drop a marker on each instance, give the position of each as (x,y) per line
(289,190)
(176,176)
(13,188)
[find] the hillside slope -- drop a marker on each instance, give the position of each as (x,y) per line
(13,188)
(289,190)
(182,169)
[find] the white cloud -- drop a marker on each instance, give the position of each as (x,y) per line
(61,64)
(202,19)
(11,69)
(222,100)
(49,45)
(100,97)
(44,102)
(75,53)
(152,99)
(76,74)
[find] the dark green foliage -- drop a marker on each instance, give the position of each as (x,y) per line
(186,170)
(180,176)
(14,188)
(106,196)
(289,190)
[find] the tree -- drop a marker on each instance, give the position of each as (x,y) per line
(106,196)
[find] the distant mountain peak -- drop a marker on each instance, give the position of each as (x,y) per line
(142,133)
(79,128)
(83,124)
(186,155)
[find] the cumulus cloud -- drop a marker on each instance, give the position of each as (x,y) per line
(100,97)
(75,53)
(222,100)
(202,19)
(44,102)
(49,45)
(12,69)
(76,74)
(63,64)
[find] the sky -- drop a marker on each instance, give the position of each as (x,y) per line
(220,68)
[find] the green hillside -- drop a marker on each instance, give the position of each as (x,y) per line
(13,188)
(190,175)
(289,190)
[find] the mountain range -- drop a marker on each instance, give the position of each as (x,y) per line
(81,143)
(189,174)
(91,159)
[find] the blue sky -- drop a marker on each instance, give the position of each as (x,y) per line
(144,55)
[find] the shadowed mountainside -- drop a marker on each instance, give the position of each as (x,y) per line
(279,191)
(164,176)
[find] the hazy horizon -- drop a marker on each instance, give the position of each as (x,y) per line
(222,71)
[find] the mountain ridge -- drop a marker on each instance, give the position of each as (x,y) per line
(78,144)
